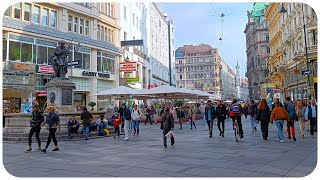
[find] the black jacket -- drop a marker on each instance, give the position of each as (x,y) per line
(37,119)
(86,117)
(180,114)
(213,112)
(126,114)
(264,115)
(167,123)
(221,111)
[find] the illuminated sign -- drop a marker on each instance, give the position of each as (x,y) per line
(128,66)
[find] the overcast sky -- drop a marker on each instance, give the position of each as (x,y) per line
(197,23)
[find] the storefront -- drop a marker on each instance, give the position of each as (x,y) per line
(18,85)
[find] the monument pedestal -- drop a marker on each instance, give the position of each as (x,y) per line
(60,94)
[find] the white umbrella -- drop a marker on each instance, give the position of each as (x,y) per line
(117,91)
(228,101)
(165,90)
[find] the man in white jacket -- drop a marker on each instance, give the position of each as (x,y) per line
(136,114)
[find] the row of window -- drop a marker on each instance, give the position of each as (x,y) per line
(197,68)
(195,60)
(78,25)
(40,52)
(33,13)
(106,9)
(136,22)
(104,33)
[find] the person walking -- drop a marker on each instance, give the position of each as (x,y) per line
(116,123)
(300,110)
(167,124)
(210,115)
(311,115)
(203,111)
(152,113)
(235,114)
(279,115)
(192,116)
(148,117)
(86,118)
(289,107)
(120,112)
(263,115)
(35,124)
(127,119)
(53,122)
(252,111)
(245,109)
(180,116)
(135,114)
(221,113)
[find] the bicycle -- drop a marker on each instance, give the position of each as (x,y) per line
(236,130)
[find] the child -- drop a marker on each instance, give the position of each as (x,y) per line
(116,123)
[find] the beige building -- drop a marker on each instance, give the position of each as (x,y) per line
(31,32)
(199,67)
(293,46)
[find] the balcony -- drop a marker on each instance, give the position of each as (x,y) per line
(282,65)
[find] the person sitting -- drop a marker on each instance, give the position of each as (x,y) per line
(93,126)
(73,126)
(102,123)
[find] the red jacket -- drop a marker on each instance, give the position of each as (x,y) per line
(116,122)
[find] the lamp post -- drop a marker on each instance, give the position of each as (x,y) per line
(282,11)
(169,47)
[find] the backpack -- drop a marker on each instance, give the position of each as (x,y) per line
(235,108)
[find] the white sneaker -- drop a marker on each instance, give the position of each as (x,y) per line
(126,139)
(282,141)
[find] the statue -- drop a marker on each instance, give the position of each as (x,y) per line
(60,60)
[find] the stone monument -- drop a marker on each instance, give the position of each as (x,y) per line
(60,89)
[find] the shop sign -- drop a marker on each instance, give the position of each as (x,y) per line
(128,66)
(16,66)
(91,73)
(45,69)
(134,79)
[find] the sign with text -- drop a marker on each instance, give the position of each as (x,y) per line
(132,43)
(128,66)
(91,73)
(306,72)
(45,69)
(133,79)
(17,66)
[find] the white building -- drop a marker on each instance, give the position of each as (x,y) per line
(134,26)
(228,78)
(31,32)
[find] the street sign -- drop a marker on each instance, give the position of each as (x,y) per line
(306,72)
(133,79)
(72,63)
(132,43)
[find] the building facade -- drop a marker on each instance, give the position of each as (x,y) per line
(257,49)
(31,32)
(134,27)
(199,67)
(228,79)
(244,90)
(158,36)
(293,46)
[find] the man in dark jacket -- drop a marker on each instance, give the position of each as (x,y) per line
(73,126)
(127,119)
(86,118)
(221,112)
(210,115)
(180,116)
(35,123)
(311,115)
(121,117)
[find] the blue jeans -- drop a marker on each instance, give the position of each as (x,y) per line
(136,125)
(204,118)
(130,125)
(253,121)
(86,128)
(279,124)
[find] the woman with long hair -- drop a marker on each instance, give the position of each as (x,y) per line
(263,115)
(167,125)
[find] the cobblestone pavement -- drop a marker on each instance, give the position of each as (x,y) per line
(193,155)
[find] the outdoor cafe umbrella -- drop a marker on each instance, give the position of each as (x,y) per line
(117,91)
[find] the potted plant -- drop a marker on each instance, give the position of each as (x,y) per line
(92,104)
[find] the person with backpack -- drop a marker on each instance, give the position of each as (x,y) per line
(53,122)
(210,115)
(263,115)
(311,115)
(35,123)
(135,114)
(289,107)
(252,111)
(86,118)
(221,113)
(235,114)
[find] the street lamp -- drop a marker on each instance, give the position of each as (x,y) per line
(282,11)
(169,47)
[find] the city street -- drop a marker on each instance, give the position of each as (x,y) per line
(193,155)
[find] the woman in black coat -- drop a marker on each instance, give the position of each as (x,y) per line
(167,125)
(263,115)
